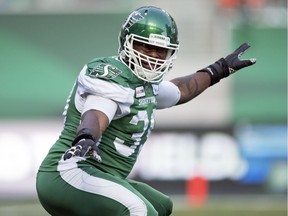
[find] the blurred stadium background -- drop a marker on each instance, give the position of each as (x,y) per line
(226,151)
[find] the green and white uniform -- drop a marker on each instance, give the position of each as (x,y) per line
(82,186)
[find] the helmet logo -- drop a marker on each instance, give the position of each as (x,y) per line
(133,18)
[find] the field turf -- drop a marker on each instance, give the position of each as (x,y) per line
(216,206)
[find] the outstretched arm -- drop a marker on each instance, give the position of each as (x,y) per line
(93,123)
(192,85)
(97,114)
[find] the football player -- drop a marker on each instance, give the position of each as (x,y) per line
(110,114)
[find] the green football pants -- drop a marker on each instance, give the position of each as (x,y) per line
(89,191)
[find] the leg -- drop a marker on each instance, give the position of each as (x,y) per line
(162,203)
(88,191)
(60,198)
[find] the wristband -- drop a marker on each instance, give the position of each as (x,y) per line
(84,133)
(217,71)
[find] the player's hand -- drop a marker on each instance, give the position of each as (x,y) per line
(235,63)
(228,65)
(84,148)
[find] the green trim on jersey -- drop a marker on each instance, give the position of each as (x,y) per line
(72,120)
(122,141)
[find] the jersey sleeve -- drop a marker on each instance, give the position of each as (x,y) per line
(102,93)
(168,95)
(102,86)
(107,106)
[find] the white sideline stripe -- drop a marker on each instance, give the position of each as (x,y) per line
(85,182)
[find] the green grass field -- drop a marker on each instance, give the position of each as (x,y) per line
(216,206)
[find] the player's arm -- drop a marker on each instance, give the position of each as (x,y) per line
(192,85)
(95,121)
(95,118)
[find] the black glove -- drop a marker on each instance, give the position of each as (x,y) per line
(83,145)
(228,65)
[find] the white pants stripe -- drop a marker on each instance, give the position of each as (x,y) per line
(83,181)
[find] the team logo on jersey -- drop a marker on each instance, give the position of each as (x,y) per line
(140,92)
(104,70)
